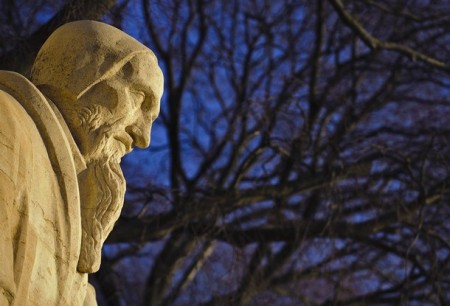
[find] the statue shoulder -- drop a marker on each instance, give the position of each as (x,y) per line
(18,137)
(19,93)
(16,124)
(17,85)
(17,88)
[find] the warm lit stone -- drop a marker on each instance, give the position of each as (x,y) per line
(93,96)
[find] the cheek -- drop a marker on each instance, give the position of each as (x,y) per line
(116,104)
(125,106)
(104,94)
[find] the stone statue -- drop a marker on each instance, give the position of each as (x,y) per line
(93,96)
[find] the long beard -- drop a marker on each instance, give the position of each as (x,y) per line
(102,190)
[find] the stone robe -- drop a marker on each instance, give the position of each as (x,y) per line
(40,221)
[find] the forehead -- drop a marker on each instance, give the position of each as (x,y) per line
(143,73)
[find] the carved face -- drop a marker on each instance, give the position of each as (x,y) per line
(121,109)
(114,116)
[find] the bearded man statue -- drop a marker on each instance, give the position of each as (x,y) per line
(93,96)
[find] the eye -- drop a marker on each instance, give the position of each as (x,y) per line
(138,98)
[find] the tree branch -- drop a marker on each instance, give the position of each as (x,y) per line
(21,57)
(376,44)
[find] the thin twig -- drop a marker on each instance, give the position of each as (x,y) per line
(376,44)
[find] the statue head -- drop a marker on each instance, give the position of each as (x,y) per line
(87,67)
(108,87)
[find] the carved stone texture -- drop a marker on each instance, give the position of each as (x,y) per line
(93,96)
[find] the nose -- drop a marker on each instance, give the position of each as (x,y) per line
(140,132)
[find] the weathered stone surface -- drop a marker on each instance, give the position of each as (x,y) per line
(93,96)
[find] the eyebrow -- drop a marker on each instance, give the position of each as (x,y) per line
(111,71)
(150,98)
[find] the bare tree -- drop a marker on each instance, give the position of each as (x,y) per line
(300,157)
(307,141)
(22,31)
